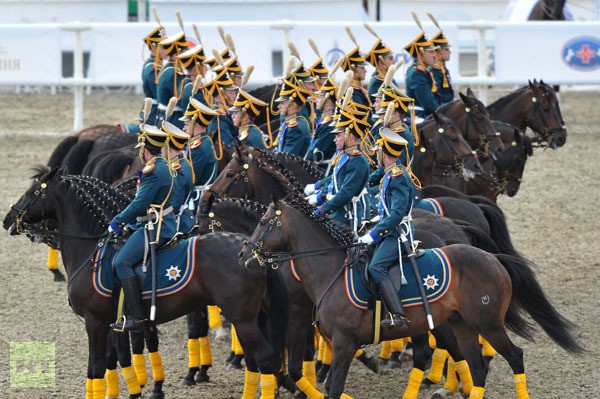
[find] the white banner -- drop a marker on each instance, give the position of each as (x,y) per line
(30,55)
(558,52)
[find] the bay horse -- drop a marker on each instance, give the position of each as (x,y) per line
(534,106)
(484,290)
(81,213)
(443,155)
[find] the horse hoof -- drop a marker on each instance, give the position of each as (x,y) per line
(157,395)
(135,396)
(300,395)
(392,364)
(287,383)
(200,378)
(427,383)
(187,382)
(58,276)
(373,365)
(234,366)
(441,393)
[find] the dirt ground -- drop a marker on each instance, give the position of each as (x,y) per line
(552,221)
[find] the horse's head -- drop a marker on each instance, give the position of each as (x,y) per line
(269,235)
(554,9)
(32,207)
(545,118)
(477,126)
(450,148)
(521,149)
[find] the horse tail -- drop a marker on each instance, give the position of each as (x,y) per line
(499,229)
(61,150)
(478,238)
(274,314)
(528,296)
(77,156)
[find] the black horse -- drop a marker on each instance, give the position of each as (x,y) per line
(548,10)
(79,212)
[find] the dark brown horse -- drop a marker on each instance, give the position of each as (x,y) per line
(548,10)
(80,214)
(478,301)
(443,155)
(534,106)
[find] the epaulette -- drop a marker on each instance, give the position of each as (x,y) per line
(327,119)
(421,68)
(244,132)
(175,165)
(196,142)
(292,122)
(381,78)
(355,152)
(397,171)
(149,167)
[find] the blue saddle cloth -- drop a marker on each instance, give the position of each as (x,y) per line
(174,270)
(436,274)
(429,204)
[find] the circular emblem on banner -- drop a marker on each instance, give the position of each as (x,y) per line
(582,53)
(333,55)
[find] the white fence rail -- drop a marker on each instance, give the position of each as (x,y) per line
(507,53)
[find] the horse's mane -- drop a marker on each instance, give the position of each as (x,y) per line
(252,209)
(126,186)
(339,231)
(309,166)
(283,177)
(504,100)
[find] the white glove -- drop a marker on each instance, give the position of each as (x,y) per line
(309,189)
(365,239)
(312,199)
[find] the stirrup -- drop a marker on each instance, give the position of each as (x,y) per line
(390,323)
(136,325)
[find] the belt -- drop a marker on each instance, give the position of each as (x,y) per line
(165,212)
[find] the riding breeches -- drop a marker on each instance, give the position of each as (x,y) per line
(386,255)
(132,253)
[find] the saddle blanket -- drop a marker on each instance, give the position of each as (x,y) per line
(436,277)
(174,270)
(431,205)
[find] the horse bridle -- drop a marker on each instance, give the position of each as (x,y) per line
(484,138)
(547,133)
(459,160)
(242,174)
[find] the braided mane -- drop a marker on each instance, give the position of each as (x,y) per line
(251,208)
(339,231)
(309,166)
(292,183)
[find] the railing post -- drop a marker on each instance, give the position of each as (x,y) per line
(78,82)
(482,62)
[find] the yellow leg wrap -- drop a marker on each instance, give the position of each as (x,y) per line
(487,349)
(89,394)
(251,381)
(139,364)
(205,352)
(268,383)
(451,380)
(521,386)
(98,388)
(321,348)
(311,392)
(432,343)
(476,393)
(317,339)
(131,380)
(52,259)
(158,373)
(344,396)
(398,345)
(214,317)
(414,383)
(233,338)
(327,353)
(462,368)
(386,350)
(193,353)
(358,353)
(237,348)
(438,359)
(310,372)
(112,383)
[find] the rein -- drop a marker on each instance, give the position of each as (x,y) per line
(547,132)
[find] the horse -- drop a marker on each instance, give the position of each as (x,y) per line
(474,123)
(443,156)
(534,106)
(548,10)
(81,212)
(289,230)
(113,165)
(84,150)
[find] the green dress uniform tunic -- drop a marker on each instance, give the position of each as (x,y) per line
(168,80)
(183,188)
(252,136)
(419,83)
(446,93)
(150,86)
(223,124)
(375,83)
(322,147)
(294,135)
(155,186)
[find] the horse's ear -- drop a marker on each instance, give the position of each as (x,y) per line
(238,146)
(436,117)
(530,84)
(463,97)
(542,82)
(470,92)
(275,199)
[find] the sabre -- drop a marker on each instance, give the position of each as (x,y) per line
(413,263)
(152,213)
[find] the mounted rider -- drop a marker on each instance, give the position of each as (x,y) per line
(397,191)
(322,148)
(171,78)
(243,112)
(221,93)
(152,200)
(192,61)
(152,67)
(438,69)
(382,58)
(295,131)
(420,83)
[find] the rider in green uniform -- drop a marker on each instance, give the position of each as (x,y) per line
(381,57)
(192,61)
(420,83)
(171,78)
(439,70)
(322,148)
(221,93)
(295,131)
(152,199)
(245,108)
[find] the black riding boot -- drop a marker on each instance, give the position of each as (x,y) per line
(134,320)
(393,304)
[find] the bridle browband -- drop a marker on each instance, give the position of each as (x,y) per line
(547,132)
